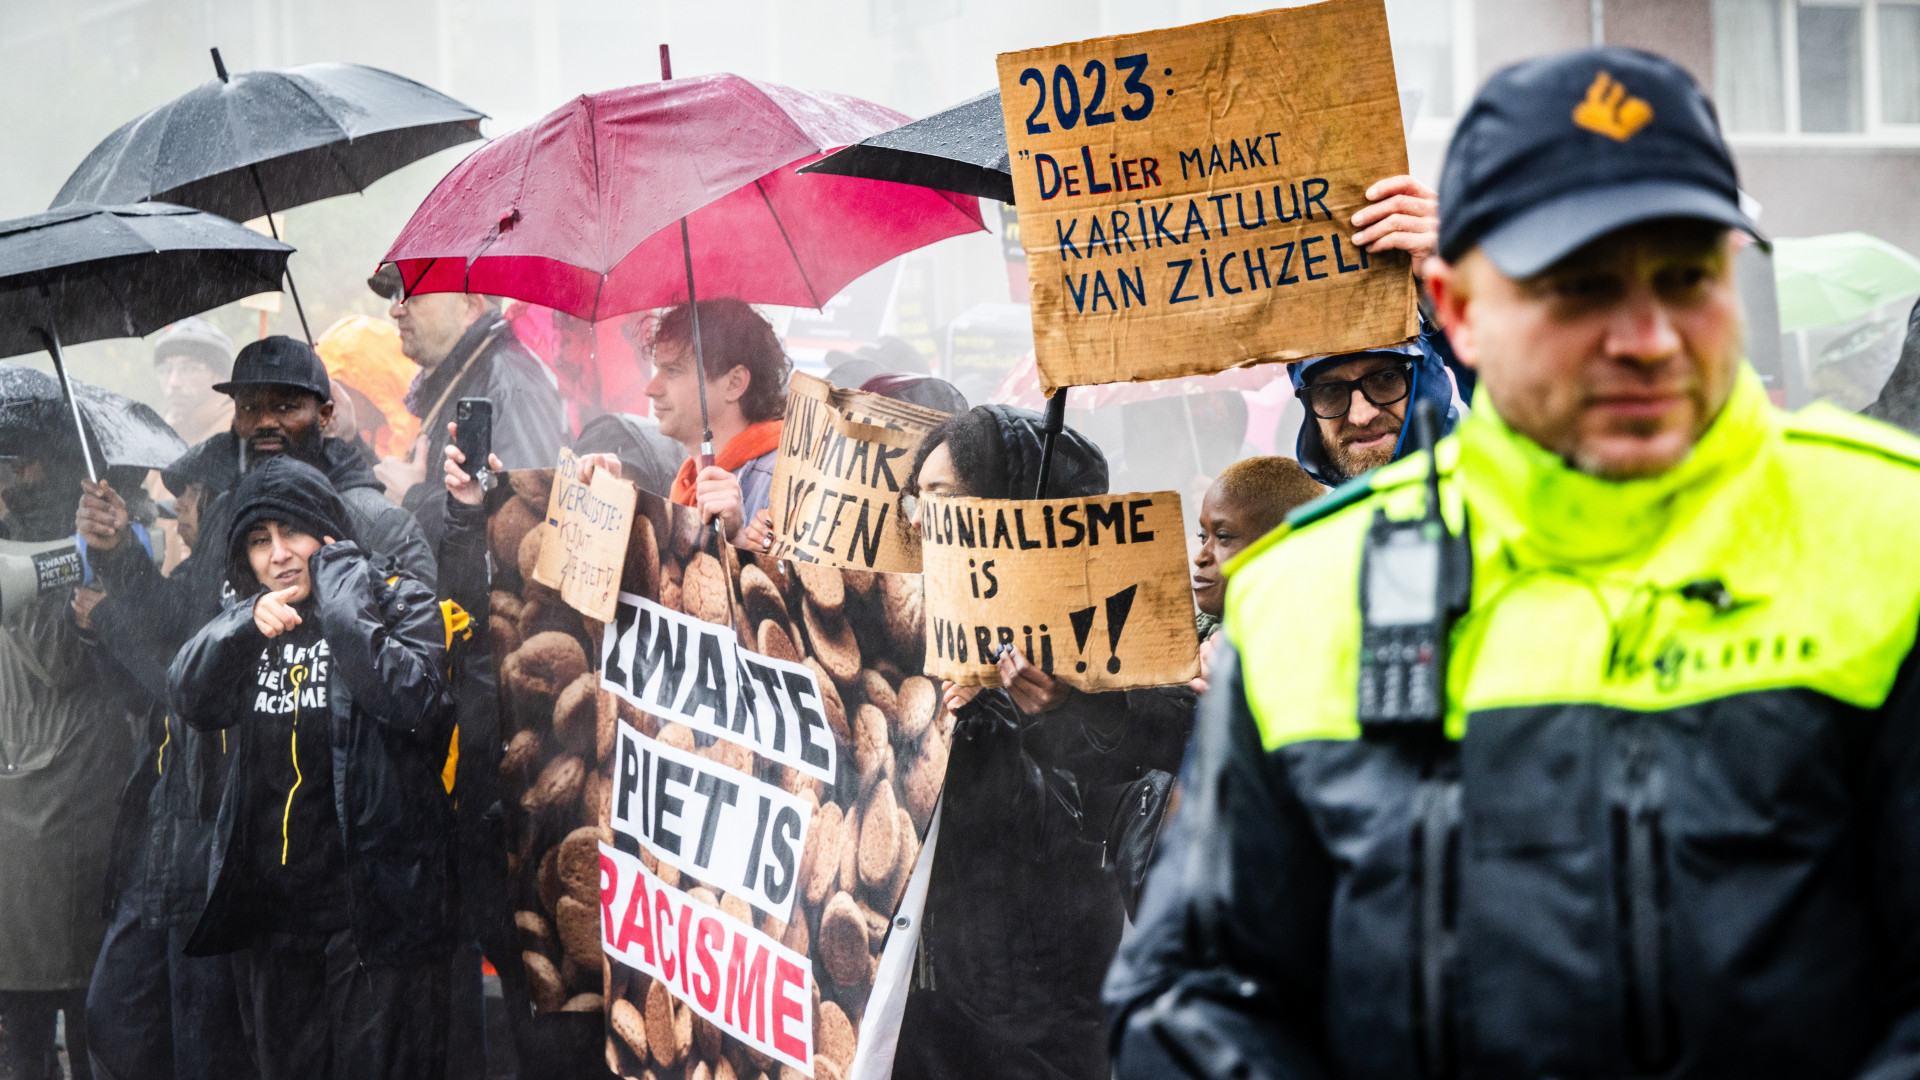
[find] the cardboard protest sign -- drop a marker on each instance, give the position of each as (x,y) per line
(1186,195)
(1093,590)
(583,553)
(768,762)
(836,483)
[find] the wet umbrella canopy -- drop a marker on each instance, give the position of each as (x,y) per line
(95,272)
(259,142)
(83,272)
(963,149)
(580,211)
(122,431)
(308,132)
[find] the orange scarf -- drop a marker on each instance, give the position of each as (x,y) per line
(756,440)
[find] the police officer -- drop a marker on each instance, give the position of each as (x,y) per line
(1659,812)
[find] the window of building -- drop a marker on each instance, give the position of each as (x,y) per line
(1817,67)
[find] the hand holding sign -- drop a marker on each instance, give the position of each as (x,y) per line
(1187,196)
(584,555)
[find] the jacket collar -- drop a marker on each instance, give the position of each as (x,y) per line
(1546,513)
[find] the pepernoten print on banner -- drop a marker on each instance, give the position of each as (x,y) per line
(772,764)
(1186,195)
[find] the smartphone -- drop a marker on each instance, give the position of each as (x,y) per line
(473,434)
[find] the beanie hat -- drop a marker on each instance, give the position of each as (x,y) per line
(291,492)
(199,339)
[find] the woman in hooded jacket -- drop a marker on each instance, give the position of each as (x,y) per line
(332,849)
(1024,912)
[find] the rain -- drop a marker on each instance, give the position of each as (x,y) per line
(378,340)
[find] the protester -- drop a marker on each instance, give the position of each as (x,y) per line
(364,355)
(1358,404)
(283,402)
(466,349)
(331,867)
(1246,501)
(922,390)
(154,1011)
(1665,826)
(189,357)
(1023,910)
(155,1004)
(647,458)
(1899,400)
(66,743)
(746,394)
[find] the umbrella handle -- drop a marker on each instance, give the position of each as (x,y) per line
(1056,422)
(51,339)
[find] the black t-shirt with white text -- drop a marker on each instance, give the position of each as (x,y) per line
(299,861)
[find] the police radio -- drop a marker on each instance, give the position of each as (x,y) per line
(1415,580)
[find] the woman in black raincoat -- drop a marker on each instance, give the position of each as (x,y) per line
(1024,909)
(333,849)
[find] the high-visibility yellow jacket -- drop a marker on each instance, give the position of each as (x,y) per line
(1675,828)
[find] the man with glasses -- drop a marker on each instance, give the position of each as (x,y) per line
(1358,404)
(466,348)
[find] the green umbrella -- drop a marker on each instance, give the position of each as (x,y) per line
(1823,280)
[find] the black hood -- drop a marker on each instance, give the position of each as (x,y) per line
(1079,468)
(289,491)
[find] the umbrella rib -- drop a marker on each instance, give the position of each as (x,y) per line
(599,204)
(782,226)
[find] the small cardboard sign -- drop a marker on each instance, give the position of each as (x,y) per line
(1093,590)
(1186,195)
(836,484)
(584,554)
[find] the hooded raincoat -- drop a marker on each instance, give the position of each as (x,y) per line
(1430,354)
(390,721)
(66,741)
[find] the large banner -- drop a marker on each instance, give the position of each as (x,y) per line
(1186,195)
(1092,590)
(770,761)
(836,483)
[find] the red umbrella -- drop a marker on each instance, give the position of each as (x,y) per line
(575,212)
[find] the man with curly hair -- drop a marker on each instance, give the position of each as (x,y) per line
(746,376)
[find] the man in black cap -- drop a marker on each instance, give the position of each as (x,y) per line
(466,348)
(1602,762)
(283,401)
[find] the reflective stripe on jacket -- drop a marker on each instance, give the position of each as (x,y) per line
(1675,829)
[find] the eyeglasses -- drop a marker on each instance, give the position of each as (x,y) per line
(1331,400)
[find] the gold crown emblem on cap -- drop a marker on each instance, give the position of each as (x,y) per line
(1609,110)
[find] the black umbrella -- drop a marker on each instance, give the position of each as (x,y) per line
(264,141)
(121,431)
(82,273)
(963,149)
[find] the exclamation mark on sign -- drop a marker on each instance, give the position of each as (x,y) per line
(1082,626)
(1118,605)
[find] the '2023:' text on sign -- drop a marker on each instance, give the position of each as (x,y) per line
(1186,195)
